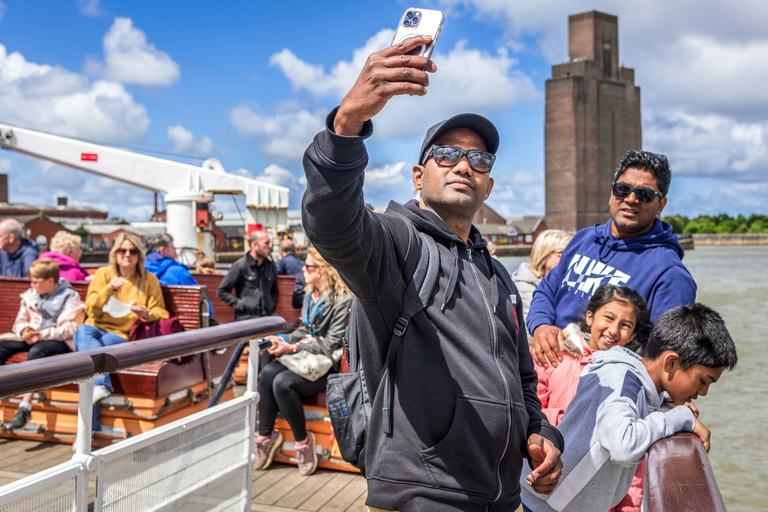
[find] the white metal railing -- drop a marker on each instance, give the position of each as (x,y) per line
(52,490)
(200,462)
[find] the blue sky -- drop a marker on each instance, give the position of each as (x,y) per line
(250,83)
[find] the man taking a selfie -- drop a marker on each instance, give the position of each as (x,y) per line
(465,411)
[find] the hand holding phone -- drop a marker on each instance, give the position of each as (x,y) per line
(265,343)
(419,22)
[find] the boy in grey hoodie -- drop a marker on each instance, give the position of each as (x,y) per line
(617,413)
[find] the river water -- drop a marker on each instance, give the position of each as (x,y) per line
(734,281)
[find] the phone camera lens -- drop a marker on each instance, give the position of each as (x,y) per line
(409,15)
(406,23)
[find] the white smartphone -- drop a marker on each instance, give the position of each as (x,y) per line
(419,22)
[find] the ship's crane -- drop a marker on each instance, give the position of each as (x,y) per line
(188,189)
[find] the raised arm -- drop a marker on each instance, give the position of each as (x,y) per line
(351,238)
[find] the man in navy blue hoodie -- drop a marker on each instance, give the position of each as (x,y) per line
(635,249)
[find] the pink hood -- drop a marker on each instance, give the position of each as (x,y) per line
(69,268)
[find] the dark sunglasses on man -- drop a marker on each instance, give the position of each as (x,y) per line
(448,156)
(644,195)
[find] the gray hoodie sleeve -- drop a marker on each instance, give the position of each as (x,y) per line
(627,437)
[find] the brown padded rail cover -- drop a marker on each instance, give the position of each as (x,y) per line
(153,380)
(679,477)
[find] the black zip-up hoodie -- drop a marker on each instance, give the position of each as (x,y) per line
(465,387)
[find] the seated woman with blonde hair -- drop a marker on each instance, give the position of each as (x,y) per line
(323,322)
(118,296)
(64,249)
(545,255)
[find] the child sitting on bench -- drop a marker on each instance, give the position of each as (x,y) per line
(49,313)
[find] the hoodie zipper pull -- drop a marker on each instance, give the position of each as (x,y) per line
(469,254)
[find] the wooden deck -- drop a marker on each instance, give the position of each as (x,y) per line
(278,489)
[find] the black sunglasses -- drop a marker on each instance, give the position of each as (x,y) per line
(446,156)
(644,195)
(132,252)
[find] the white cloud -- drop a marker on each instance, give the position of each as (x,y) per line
(284,135)
(129,58)
(389,182)
(90,7)
(341,77)
(706,75)
(517,193)
(702,55)
(5,165)
(467,79)
(184,141)
(709,145)
(67,103)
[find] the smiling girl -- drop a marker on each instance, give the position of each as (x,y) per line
(614,317)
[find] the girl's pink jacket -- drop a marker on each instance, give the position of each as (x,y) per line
(557,387)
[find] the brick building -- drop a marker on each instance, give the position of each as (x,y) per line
(592,119)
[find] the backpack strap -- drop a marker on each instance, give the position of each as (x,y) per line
(417,296)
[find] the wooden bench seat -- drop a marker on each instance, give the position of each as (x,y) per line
(152,381)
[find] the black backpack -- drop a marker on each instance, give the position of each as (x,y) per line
(347,399)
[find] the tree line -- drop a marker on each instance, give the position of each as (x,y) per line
(721,223)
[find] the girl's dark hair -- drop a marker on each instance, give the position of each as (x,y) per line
(608,293)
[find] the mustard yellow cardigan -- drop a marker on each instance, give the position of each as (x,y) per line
(99,292)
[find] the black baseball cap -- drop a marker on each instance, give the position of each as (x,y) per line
(475,122)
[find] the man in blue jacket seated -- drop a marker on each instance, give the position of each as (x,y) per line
(16,252)
(289,264)
(161,261)
(635,249)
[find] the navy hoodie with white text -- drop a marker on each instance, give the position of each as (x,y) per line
(650,264)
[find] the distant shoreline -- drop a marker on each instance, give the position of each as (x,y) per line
(731,239)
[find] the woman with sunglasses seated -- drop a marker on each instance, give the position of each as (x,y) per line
(324,319)
(119,295)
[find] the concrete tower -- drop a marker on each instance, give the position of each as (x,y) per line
(592,119)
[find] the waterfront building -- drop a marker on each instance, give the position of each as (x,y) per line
(592,120)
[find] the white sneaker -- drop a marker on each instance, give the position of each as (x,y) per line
(100,392)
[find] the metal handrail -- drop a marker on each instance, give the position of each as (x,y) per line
(680,478)
(48,372)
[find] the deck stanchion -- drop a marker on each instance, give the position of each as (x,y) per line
(82,446)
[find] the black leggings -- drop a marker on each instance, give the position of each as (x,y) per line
(281,389)
(42,348)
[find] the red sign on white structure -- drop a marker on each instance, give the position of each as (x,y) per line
(89,157)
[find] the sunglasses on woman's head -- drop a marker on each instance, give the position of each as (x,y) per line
(446,156)
(132,252)
(644,195)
